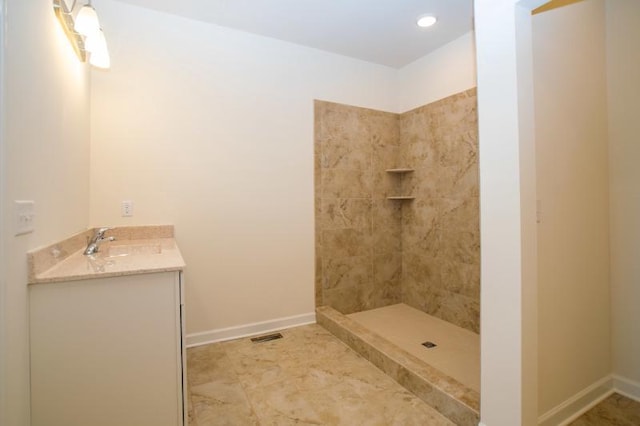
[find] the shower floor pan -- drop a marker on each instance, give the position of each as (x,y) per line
(446,376)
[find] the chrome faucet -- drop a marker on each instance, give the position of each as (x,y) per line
(98,238)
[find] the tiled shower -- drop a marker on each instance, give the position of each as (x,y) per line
(397,210)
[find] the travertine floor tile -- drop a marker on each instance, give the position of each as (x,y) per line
(616,410)
(307,377)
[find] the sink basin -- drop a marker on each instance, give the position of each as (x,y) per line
(130,249)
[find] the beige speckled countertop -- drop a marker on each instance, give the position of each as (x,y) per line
(136,250)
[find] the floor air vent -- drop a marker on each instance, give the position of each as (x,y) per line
(429,345)
(266,338)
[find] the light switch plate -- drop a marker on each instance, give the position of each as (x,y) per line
(24,216)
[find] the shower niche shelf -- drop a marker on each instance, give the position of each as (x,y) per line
(401,197)
(399,174)
(399,171)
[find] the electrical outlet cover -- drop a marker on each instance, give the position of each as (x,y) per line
(126,208)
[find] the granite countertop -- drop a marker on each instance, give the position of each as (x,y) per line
(136,250)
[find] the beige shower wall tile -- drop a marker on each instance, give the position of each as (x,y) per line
(386,226)
(385,156)
(415,125)
(454,308)
(461,278)
(347,272)
(340,183)
(422,183)
(344,300)
(461,246)
(459,214)
(383,184)
(341,213)
(421,240)
(421,270)
(337,121)
(419,152)
(413,292)
(383,127)
(436,236)
(387,267)
(381,294)
(386,290)
(339,243)
(422,214)
(457,148)
(351,153)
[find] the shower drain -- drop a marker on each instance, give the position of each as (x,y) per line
(429,345)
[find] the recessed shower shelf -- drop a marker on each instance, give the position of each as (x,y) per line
(400,173)
(400,170)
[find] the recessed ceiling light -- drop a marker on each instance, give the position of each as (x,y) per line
(426,21)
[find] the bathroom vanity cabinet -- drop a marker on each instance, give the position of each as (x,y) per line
(108,351)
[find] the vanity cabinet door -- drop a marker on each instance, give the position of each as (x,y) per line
(107,352)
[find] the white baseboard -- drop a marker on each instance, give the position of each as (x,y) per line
(230,333)
(588,398)
(578,404)
(626,387)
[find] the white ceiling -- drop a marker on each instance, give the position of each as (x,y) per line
(379,31)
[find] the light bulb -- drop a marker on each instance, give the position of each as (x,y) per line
(95,41)
(100,59)
(86,21)
(96,45)
(426,21)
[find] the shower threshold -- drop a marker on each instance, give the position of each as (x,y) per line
(446,376)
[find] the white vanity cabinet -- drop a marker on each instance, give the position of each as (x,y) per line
(108,351)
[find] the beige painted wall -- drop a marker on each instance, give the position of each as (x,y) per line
(623,69)
(45,158)
(212,130)
(448,70)
(572,183)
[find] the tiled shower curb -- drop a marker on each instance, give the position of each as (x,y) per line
(455,401)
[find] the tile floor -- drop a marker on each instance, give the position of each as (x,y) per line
(311,378)
(616,410)
(306,378)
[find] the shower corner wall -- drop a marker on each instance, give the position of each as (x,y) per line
(422,250)
(358,235)
(372,251)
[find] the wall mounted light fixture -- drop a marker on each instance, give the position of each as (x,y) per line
(83,31)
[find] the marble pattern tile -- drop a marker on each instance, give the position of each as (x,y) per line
(454,400)
(353,148)
(386,231)
(308,377)
(339,243)
(46,258)
(347,272)
(347,300)
(346,183)
(616,410)
(440,229)
(435,236)
(342,213)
